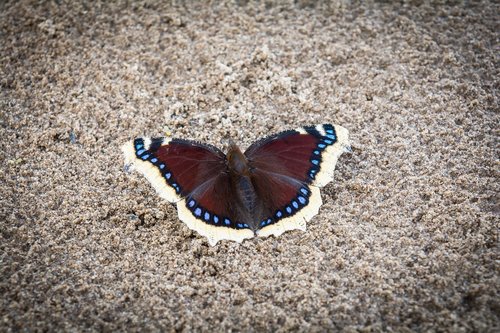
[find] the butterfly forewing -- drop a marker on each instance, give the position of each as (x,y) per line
(192,165)
(285,154)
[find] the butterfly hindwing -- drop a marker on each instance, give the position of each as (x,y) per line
(288,203)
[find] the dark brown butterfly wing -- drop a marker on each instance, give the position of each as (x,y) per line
(287,170)
(194,176)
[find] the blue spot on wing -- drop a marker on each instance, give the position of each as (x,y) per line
(177,188)
(197,212)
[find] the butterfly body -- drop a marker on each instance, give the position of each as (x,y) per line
(270,188)
(249,206)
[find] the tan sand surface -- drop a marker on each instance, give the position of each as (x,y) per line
(407,238)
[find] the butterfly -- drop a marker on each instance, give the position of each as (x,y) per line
(271,188)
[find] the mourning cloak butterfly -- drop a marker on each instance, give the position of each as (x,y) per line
(270,188)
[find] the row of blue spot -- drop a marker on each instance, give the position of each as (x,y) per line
(265,222)
(144,155)
(328,139)
(294,205)
(208,217)
(300,201)
(330,132)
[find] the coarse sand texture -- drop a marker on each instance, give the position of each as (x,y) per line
(406,238)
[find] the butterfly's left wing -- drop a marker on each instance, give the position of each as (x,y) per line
(287,171)
(194,176)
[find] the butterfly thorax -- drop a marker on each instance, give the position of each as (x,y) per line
(237,162)
(239,170)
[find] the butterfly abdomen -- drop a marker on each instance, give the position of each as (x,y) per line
(247,193)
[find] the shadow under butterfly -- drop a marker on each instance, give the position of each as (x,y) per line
(271,188)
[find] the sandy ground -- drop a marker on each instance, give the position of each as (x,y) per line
(407,238)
